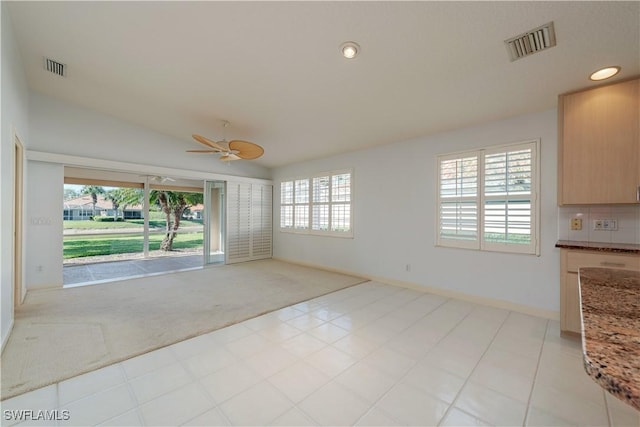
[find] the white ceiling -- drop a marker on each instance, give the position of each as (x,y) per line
(273,68)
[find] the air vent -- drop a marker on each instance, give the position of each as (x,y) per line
(531,42)
(55,67)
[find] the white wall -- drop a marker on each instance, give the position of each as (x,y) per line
(44,225)
(14,115)
(60,127)
(394,218)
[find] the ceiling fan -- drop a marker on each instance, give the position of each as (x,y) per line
(235,149)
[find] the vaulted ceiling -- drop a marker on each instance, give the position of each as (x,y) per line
(274,70)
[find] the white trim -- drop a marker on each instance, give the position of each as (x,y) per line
(140,169)
(491,302)
(5,339)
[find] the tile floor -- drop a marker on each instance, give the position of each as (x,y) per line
(371,354)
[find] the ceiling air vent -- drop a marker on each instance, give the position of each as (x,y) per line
(55,67)
(531,42)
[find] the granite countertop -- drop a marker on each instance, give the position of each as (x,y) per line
(610,305)
(629,248)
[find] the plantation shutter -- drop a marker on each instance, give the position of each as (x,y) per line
(249,229)
(458,200)
(488,199)
(238,221)
(508,199)
(261,221)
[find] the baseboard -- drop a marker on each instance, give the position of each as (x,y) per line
(6,338)
(506,305)
(322,267)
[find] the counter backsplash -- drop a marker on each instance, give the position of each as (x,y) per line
(627,218)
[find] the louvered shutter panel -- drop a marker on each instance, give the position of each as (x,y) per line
(249,221)
(261,221)
(238,221)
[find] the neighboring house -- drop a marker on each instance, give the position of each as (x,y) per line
(81,208)
(194,212)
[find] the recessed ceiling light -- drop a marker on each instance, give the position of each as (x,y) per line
(604,73)
(350,49)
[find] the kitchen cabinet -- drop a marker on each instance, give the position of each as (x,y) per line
(570,262)
(599,145)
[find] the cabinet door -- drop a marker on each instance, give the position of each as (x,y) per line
(570,318)
(600,145)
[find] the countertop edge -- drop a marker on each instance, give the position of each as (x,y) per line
(623,248)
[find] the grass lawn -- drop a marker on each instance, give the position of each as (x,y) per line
(81,246)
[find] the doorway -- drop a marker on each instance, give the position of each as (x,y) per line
(214,222)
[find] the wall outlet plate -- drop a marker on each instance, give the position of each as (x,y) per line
(605,224)
(576,224)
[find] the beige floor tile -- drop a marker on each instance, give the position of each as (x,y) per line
(367,382)
(87,384)
(100,407)
(435,382)
(390,361)
(621,413)
(376,417)
(491,406)
(568,406)
(334,404)
(177,407)
(330,360)
(270,361)
(209,361)
(503,381)
(299,381)
(293,417)
(355,346)
(228,382)
(45,398)
(159,382)
(212,417)
(303,345)
(457,417)
(411,406)
(129,419)
(256,406)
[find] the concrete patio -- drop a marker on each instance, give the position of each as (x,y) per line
(92,273)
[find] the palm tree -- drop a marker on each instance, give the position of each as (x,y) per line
(123,197)
(93,190)
(173,203)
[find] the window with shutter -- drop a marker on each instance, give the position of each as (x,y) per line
(487,199)
(318,205)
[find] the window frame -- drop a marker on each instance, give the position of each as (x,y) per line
(480,243)
(311,203)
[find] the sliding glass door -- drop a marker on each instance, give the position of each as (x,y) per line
(214,222)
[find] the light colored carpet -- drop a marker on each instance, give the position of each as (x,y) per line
(62,333)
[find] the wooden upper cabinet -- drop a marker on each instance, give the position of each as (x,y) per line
(599,145)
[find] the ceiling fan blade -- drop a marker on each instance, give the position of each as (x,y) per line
(229,157)
(203,151)
(209,143)
(245,149)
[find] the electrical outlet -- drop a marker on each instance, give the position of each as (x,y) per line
(576,224)
(605,224)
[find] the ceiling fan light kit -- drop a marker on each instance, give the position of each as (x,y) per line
(235,149)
